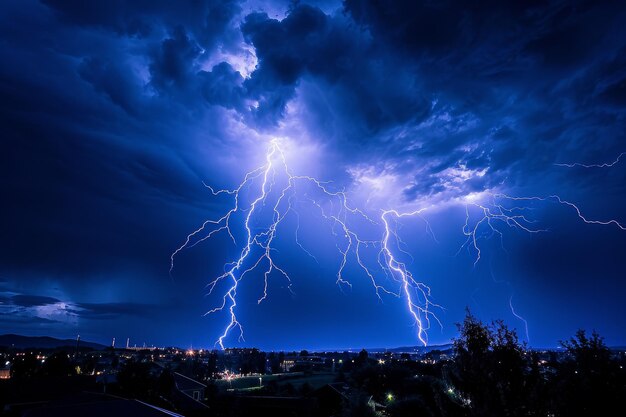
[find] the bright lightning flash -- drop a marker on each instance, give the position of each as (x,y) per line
(276,193)
(498,210)
(603,165)
(275,186)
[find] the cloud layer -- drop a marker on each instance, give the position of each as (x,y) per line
(112,115)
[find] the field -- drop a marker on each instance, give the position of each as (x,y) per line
(297,379)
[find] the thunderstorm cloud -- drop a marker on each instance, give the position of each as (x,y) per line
(114,114)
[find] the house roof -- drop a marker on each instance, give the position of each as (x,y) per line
(184,383)
(105,406)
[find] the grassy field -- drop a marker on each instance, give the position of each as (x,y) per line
(297,379)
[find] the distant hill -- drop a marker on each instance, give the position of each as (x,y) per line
(43,342)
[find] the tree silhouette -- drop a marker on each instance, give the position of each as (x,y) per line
(488,375)
(58,364)
(25,367)
(589,381)
(135,380)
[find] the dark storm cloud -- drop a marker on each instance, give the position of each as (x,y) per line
(104,311)
(561,34)
(368,87)
(83,133)
(467,87)
(173,63)
(530,69)
(209,19)
(23,300)
(113,113)
(26,305)
(112,80)
(168,36)
(381,70)
(222,86)
(13,319)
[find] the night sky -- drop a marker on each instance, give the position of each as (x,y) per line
(114,116)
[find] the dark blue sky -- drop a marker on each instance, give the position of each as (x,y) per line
(114,114)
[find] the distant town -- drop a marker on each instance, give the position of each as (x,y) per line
(484,372)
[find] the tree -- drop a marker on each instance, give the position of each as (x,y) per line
(590,354)
(469,376)
(509,369)
(362,358)
(212,364)
(134,379)
(489,371)
(25,367)
(589,381)
(58,364)
(89,365)
(165,383)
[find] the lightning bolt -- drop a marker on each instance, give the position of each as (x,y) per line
(603,165)
(522,319)
(257,251)
(497,210)
(276,192)
(412,289)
